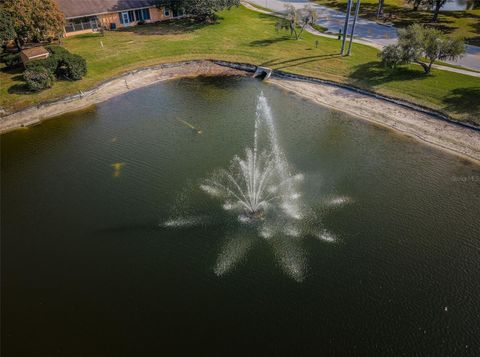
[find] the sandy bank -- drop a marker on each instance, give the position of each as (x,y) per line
(427,128)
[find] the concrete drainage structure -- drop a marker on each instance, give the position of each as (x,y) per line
(263,72)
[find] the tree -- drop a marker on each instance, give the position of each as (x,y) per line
(417,42)
(437,5)
(33,20)
(296,20)
(416,3)
(309,16)
(204,10)
(38,78)
(391,56)
(381,4)
(7,31)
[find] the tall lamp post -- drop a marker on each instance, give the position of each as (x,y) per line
(345,27)
(357,9)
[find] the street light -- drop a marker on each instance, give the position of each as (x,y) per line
(357,9)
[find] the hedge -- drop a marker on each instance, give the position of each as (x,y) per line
(60,64)
(11,59)
(38,78)
(72,67)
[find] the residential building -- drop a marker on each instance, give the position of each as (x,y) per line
(85,16)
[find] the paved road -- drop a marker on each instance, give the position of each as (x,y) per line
(379,35)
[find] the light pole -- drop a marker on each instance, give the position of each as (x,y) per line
(355,17)
(345,27)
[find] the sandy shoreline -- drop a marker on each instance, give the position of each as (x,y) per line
(426,128)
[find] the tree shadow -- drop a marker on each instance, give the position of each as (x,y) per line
(13,70)
(268,42)
(277,64)
(374,74)
(19,88)
(464,100)
(88,35)
(168,27)
(17,76)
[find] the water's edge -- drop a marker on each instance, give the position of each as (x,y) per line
(463,139)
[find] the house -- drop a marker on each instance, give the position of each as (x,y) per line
(34,53)
(85,16)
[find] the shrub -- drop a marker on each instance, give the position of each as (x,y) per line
(422,45)
(38,78)
(72,67)
(62,64)
(391,56)
(57,51)
(50,64)
(11,59)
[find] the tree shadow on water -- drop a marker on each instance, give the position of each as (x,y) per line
(374,74)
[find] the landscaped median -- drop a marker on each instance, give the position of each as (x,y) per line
(242,35)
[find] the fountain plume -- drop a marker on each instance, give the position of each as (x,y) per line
(260,179)
(264,193)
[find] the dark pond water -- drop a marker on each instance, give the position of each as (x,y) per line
(109,247)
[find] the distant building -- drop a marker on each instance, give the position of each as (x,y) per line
(84,16)
(34,53)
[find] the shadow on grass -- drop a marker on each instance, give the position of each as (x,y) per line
(268,42)
(19,88)
(89,35)
(464,100)
(17,76)
(13,70)
(275,63)
(374,74)
(169,27)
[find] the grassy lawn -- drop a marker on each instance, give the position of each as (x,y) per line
(246,36)
(464,24)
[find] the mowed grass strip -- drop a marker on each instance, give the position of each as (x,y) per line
(246,36)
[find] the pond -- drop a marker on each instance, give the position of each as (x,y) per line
(224,216)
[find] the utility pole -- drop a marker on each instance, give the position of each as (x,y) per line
(355,17)
(345,27)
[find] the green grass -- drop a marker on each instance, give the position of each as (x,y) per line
(463,24)
(319,28)
(246,36)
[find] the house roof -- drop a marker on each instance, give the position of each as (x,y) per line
(80,8)
(35,52)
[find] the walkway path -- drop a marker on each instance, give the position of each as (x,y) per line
(373,33)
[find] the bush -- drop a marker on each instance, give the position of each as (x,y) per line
(61,64)
(391,56)
(50,64)
(72,67)
(11,59)
(38,78)
(57,51)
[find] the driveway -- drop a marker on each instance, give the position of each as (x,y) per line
(377,34)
